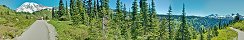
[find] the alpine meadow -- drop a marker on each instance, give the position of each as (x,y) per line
(121,20)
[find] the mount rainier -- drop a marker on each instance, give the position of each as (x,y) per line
(31,7)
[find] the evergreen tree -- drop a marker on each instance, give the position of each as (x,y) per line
(220,22)
(95,10)
(144,11)
(72,7)
(119,12)
(125,12)
(61,11)
(192,31)
(125,23)
(74,12)
(153,22)
(118,18)
(163,30)
(105,8)
(53,13)
(106,15)
(79,13)
(237,17)
(67,11)
(135,26)
(201,32)
(89,7)
(209,34)
(184,32)
(215,31)
(169,22)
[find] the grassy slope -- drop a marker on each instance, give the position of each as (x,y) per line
(226,34)
(12,24)
(239,25)
(229,34)
(43,13)
(68,32)
(223,34)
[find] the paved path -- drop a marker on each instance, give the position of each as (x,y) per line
(39,30)
(240,33)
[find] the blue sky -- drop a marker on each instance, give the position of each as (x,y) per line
(193,7)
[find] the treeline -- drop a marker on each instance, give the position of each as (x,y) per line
(140,24)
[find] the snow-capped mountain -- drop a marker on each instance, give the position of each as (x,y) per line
(31,7)
(230,17)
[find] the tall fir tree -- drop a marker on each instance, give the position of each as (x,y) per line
(66,6)
(163,31)
(124,11)
(153,22)
(67,11)
(134,27)
(95,8)
(184,28)
(61,11)
(72,7)
(119,12)
(183,24)
(105,7)
(202,32)
(79,13)
(237,17)
(169,22)
(53,14)
(90,9)
(106,15)
(124,22)
(118,18)
(144,11)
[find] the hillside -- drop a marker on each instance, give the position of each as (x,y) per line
(239,25)
(5,10)
(12,24)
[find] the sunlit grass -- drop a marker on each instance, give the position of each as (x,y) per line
(239,25)
(12,26)
(68,32)
(226,34)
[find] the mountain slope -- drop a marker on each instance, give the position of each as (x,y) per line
(31,7)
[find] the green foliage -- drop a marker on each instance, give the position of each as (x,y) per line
(68,32)
(100,23)
(134,17)
(237,17)
(202,32)
(239,25)
(144,11)
(43,13)
(225,34)
(12,26)
(62,13)
(6,11)
(184,32)
(79,13)
(169,19)
(105,8)
(72,7)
